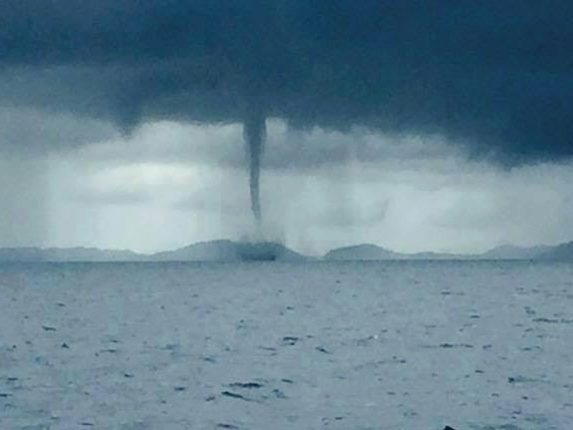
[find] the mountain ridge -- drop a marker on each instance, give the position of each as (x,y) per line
(216,250)
(367,252)
(227,250)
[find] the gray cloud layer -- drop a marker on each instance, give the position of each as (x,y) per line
(497,76)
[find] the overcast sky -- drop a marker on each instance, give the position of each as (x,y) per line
(432,125)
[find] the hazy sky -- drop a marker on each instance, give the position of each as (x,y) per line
(435,125)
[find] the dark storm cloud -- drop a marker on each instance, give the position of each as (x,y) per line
(42,132)
(496,75)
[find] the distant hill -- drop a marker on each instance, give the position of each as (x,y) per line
(505,252)
(362,252)
(510,252)
(559,252)
(367,252)
(226,250)
(217,250)
(203,251)
(268,251)
(30,254)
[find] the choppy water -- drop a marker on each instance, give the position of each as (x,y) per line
(389,345)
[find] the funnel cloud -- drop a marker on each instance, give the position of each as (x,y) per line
(254,132)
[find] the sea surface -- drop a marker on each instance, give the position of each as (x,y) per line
(356,345)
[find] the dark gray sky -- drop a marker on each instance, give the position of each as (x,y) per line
(414,124)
